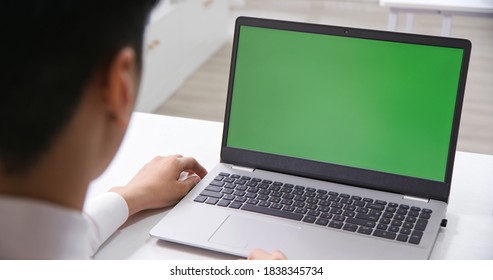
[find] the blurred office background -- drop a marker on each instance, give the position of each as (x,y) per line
(188,52)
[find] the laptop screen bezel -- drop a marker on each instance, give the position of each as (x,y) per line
(377,180)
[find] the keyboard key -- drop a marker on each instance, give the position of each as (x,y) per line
(335,211)
(390,209)
(264,203)
(322,222)
(200,198)
(402,237)
(276,206)
(349,214)
(413,213)
(229,197)
(405,231)
(309,219)
(298,187)
(240,182)
(224,174)
(408,225)
(336,224)
(350,227)
(385,221)
(339,218)
(421,224)
(359,203)
(381,202)
(223,203)
(311,206)
(251,195)
(313,213)
(227,191)
(361,222)
(415,237)
(217,183)
(428,211)
(229,180)
(235,205)
(402,211)
(367,217)
(396,223)
(393,229)
(300,211)
(289,208)
(272,212)
(382,226)
(211,194)
(326,215)
(365,230)
(263,197)
(212,200)
(240,199)
(411,219)
(385,234)
(252,201)
(213,188)
(375,206)
(425,215)
(399,217)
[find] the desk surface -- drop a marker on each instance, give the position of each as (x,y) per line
(470,6)
(469,234)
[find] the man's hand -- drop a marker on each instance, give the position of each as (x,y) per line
(259,254)
(157,184)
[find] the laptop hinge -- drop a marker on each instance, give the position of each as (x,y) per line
(247,169)
(416,198)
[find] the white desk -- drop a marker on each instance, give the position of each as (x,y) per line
(469,234)
(447,8)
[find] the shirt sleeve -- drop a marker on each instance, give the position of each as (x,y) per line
(105,214)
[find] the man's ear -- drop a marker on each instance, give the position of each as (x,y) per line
(122,84)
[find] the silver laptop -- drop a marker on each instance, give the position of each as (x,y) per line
(338,143)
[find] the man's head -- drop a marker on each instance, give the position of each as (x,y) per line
(52,52)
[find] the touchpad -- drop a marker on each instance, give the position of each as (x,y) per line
(246,232)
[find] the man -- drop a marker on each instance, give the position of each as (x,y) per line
(71,74)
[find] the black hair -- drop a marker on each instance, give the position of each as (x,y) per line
(49,52)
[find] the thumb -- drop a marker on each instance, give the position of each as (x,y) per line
(191,182)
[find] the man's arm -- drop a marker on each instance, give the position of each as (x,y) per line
(156,185)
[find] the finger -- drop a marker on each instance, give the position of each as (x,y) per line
(192,166)
(259,254)
(278,255)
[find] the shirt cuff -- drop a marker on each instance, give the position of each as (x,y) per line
(105,214)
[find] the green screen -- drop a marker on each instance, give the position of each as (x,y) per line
(377,105)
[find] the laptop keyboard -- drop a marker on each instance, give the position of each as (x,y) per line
(323,208)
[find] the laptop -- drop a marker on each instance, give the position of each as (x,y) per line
(338,143)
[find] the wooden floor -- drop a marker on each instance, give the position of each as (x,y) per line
(203,95)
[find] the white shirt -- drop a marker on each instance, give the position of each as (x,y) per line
(33,229)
